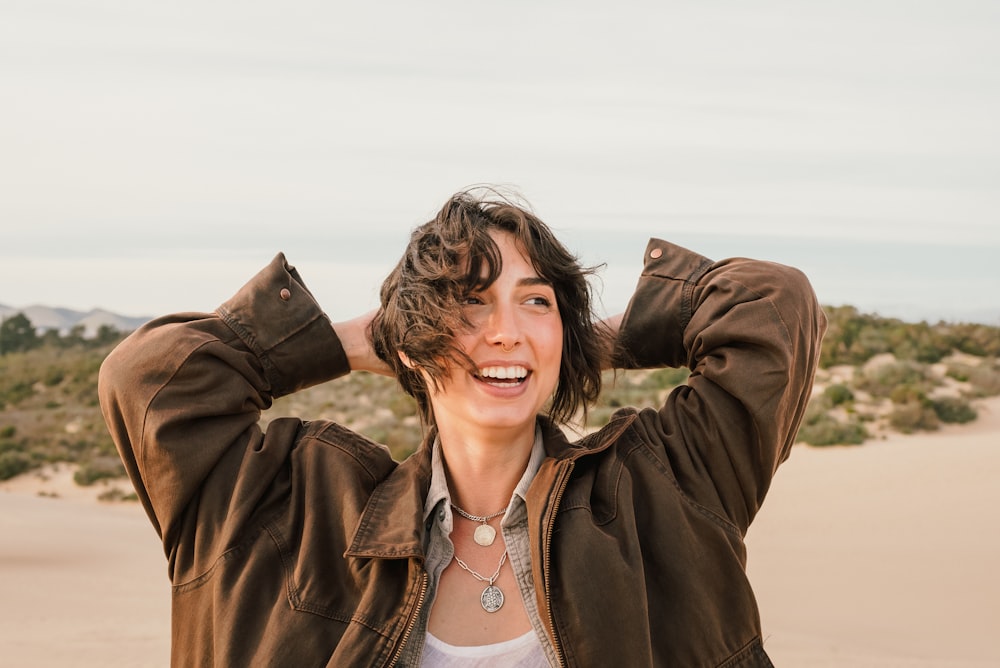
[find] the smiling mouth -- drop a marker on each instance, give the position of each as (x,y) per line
(502,376)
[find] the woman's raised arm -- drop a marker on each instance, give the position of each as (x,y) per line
(182,397)
(750,333)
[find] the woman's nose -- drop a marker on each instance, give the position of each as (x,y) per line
(503,326)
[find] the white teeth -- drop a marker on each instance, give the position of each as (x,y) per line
(503,372)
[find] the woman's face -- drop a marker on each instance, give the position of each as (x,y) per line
(515,341)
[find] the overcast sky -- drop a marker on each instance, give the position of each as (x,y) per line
(153,155)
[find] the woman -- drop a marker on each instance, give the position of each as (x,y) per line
(499,541)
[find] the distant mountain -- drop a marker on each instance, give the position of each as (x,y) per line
(64,319)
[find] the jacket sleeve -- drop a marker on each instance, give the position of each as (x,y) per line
(750,332)
(182,397)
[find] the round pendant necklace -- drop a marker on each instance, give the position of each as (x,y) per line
(485,534)
(492,598)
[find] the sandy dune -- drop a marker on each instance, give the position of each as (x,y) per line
(81,584)
(873,556)
(884,554)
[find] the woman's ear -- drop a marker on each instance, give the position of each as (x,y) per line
(404,358)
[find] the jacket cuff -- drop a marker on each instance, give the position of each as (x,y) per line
(652,330)
(280,322)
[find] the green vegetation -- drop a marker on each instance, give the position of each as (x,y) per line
(854,338)
(821,428)
(954,410)
(633,388)
(17,334)
(49,411)
(98,468)
(13,463)
(838,394)
(48,401)
(898,368)
(832,419)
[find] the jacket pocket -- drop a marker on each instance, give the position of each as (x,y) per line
(307,589)
(751,656)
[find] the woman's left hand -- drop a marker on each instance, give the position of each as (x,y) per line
(353,335)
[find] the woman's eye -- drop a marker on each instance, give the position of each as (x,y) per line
(471,300)
(539,301)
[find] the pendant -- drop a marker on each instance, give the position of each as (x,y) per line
(492,598)
(484,535)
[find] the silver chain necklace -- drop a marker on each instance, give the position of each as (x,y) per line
(485,534)
(492,598)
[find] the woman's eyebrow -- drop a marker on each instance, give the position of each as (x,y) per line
(534,280)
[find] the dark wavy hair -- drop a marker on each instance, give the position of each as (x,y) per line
(453,255)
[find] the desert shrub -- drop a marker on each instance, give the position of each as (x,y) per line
(975,339)
(10,445)
(633,388)
(959,372)
(954,410)
(818,403)
(102,447)
(116,494)
(16,392)
(907,393)
(402,405)
(77,447)
(838,394)
(853,338)
(919,342)
(914,416)
(827,430)
(99,468)
(820,428)
(884,379)
(86,368)
(13,464)
(53,376)
(985,378)
(8,431)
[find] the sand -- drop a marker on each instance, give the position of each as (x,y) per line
(881,555)
(82,583)
(884,554)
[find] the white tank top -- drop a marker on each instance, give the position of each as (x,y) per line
(521,652)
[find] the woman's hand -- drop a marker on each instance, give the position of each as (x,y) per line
(353,335)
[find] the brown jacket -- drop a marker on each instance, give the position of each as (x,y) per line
(302,546)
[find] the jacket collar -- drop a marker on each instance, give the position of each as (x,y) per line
(558,447)
(391,525)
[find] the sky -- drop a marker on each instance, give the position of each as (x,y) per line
(156,155)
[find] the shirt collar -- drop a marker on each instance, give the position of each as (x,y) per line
(439,482)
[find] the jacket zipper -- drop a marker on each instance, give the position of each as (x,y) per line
(546,565)
(411,623)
